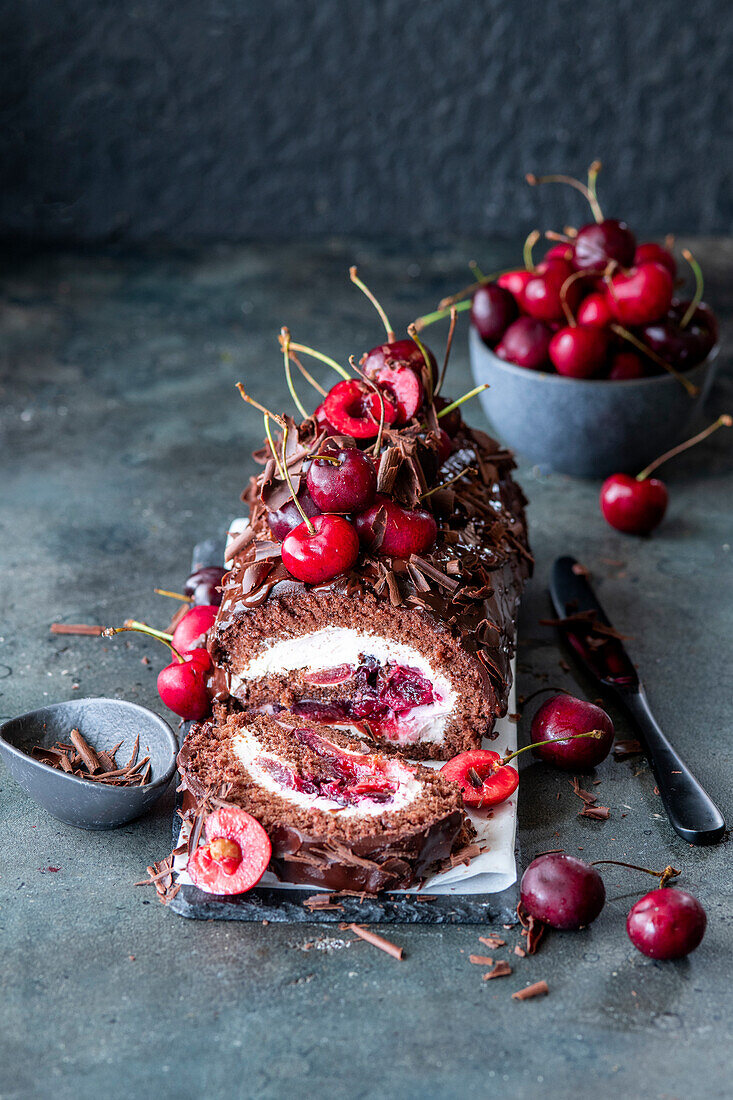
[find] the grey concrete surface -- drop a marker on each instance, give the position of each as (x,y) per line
(123,442)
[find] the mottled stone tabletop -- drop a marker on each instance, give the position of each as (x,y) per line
(123,443)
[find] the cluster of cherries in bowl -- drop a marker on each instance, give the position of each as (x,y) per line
(598,305)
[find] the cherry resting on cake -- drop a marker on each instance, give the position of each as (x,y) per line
(284,520)
(320,549)
(342,479)
(194,626)
(636,505)
(562,891)
(407,530)
(667,923)
(236,854)
(203,585)
(555,724)
(352,408)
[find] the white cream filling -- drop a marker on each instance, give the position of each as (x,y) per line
(248,750)
(339,645)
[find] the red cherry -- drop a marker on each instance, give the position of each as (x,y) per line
(194,626)
(650,250)
(641,295)
(452,423)
(626,366)
(345,480)
(407,530)
(560,251)
(666,923)
(445,446)
(287,518)
(515,282)
(396,354)
(236,856)
(354,409)
(542,293)
(635,507)
(483,779)
(564,716)
(320,555)
(493,309)
(562,891)
(204,585)
(322,420)
(579,352)
(182,685)
(526,342)
(600,242)
(595,311)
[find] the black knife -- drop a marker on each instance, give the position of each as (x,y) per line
(601,653)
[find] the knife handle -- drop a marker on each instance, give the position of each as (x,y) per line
(690,809)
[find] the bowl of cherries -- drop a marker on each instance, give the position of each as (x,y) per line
(594,363)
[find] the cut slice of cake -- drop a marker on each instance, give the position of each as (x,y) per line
(337,814)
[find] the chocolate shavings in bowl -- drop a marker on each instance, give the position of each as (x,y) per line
(80,759)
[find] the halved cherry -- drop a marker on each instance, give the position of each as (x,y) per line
(482,777)
(354,409)
(404,387)
(236,856)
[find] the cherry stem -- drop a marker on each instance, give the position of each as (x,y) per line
(307,375)
(412,332)
(143,628)
(724,421)
(529,244)
(551,235)
(593,171)
(267,416)
(284,425)
(466,397)
(441,314)
(595,734)
(173,595)
(533,181)
(571,231)
(436,488)
(664,876)
(448,346)
(476,270)
(642,347)
(285,345)
(697,296)
(377,305)
(563,296)
(378,441)
(321,358)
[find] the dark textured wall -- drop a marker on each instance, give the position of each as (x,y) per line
(258,118)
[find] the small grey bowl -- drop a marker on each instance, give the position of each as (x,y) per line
(102,722)
(589,428)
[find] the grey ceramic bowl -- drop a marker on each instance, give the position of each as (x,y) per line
(589,428)
(102,722)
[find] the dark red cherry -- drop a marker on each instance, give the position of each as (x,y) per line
(451,423)
(287,518)
(343,481)
(407,530)
(595,311)
(515,282)
(445,446)
(641,295)
(666,923)
(676,346)
(626,366)
(526,342)
(564,716)
(562,891)
(194,626)
(354,409)
(203,585)
(182,685)
(598,243)
(483,779)
(397,354)
(579,352)
(650,250)
(633,506)
(542,298)
(492,311)
(560,251)
(322,554)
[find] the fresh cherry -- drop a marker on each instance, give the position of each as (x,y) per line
(515,282)
(633,506)
(579,352)
(286,519)
(236,856)
(600,243)
(676,346)
(182,685)
(354,409)
(561,251)
(407,530)
(343,480)
(595,311)
(322,421)
(319,554)
(562,891)
(194,626)
(626,366)
(397,355)
(445,446)
(492,311)
(203,585)
(642,294)
(483,779)
(563,717)
(451,423)
(526,342)
(666,923)
(542,298)
(650,250)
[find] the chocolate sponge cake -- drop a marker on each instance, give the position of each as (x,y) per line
(410,651)
(337,814)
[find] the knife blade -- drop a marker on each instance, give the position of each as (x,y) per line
(599,649)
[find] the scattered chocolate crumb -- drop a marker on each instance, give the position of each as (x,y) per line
(656,790)
(532,929)
(596,813)
(520,951)
(316,903)
(501,970)
(480,960)
(145,660)
(584,796)
(492,941)
(375,940)
(537,989)
(514,718)
(76,628)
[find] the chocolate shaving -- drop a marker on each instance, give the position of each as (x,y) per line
(537,989)
(502,969)
(98,766)
(623,749)
(492,941)
(374,940)
(239,542)
(532,929)
(86,752)
(584,796)
(319,902)
(597,813)
(434,574)
(76,628)
(480,960)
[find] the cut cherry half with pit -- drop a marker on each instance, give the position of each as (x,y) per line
(483,778)
(236,854)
